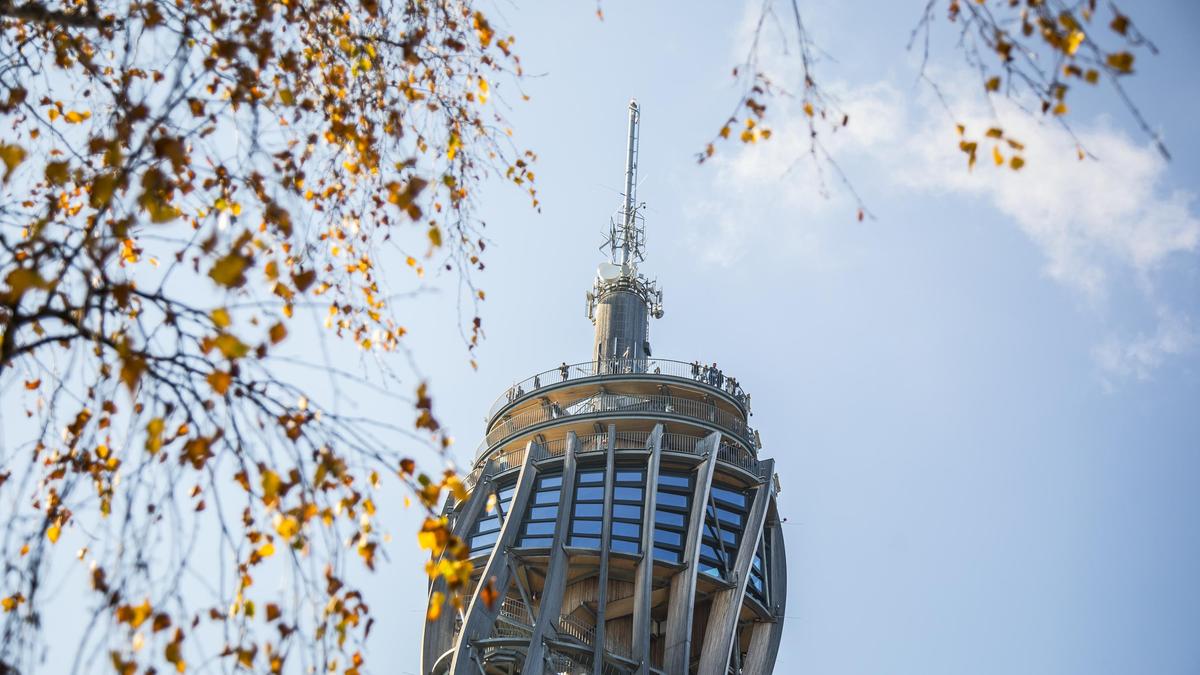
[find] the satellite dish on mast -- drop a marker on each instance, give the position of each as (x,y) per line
(608,271)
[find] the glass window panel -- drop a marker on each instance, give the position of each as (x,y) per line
(540,542)
(627,511)
(539,528)
(623,546)
(628,493)
(588,542)
(674,481)
(586,527)
(666,537)
(591,477)
(543,513)
(756,584)
(664,554)
(489,524)
(672,499)
(711,571)
(727,516)
(546,497)
(507,492)
(592,493)
(485,539)
(729,536)
(668,518)
(758,563)
(629,476)
(595,510)
(550,482)
(706,550)
(626,529)
(726,495)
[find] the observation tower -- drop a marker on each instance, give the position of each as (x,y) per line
(619,507)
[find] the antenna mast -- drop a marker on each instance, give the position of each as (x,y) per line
(629,236)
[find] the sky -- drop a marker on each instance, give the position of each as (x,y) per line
(981,402)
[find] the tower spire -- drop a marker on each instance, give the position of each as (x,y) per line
(632,229)
(622,300)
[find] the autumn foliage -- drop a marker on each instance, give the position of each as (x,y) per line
(182,181)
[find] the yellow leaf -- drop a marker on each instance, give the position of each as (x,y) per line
(1092,76)
(993,83)
(10,603)
(277,333)
(75,117)
(996,156)
(436,600)
(1121,62)
(154,432)
(287,97)
(12,156)
(219,381)
(1060,108)
(1016,163)
(266,550)
(808,109)
(270,485)
(220,316)
(1073,41)
(286,526)
(56,173)
(228,270)
(231,347)
(53,532)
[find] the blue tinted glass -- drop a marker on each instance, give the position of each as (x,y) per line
(589,542)
(629,476)
(485,539)
(489,524)
(622,546)
(626,529)
(664,554)
(593,493)
(756,584)
(722,494)
(591,477)
(758,563)
(627,511)
(550,481)
(628,493)
(539,542)
(668,518)
(711,571)
(665,537)
(595,510)
(507,492)
(729,536)
(671,499)
(674,481)
(546,497)
(586,527)
(706,550)
(539,528)
(727,516)
(543,512)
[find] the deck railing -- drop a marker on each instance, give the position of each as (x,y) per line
(619,404)
(694,372)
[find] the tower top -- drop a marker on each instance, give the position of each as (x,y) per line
(627,228)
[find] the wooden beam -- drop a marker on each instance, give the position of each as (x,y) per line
(767,636)
(726,605)
(605,543)
(550,606)
(643,584)
(439,634)
(678,638)
(479,618)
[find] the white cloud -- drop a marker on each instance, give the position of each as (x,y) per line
(1143,354)
(1092,220)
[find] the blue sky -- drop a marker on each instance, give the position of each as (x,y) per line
(982,404)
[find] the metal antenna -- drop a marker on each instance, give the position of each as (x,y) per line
(629,235)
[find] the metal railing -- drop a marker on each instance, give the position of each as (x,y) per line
(515,609)
(694,372)
(617,404)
